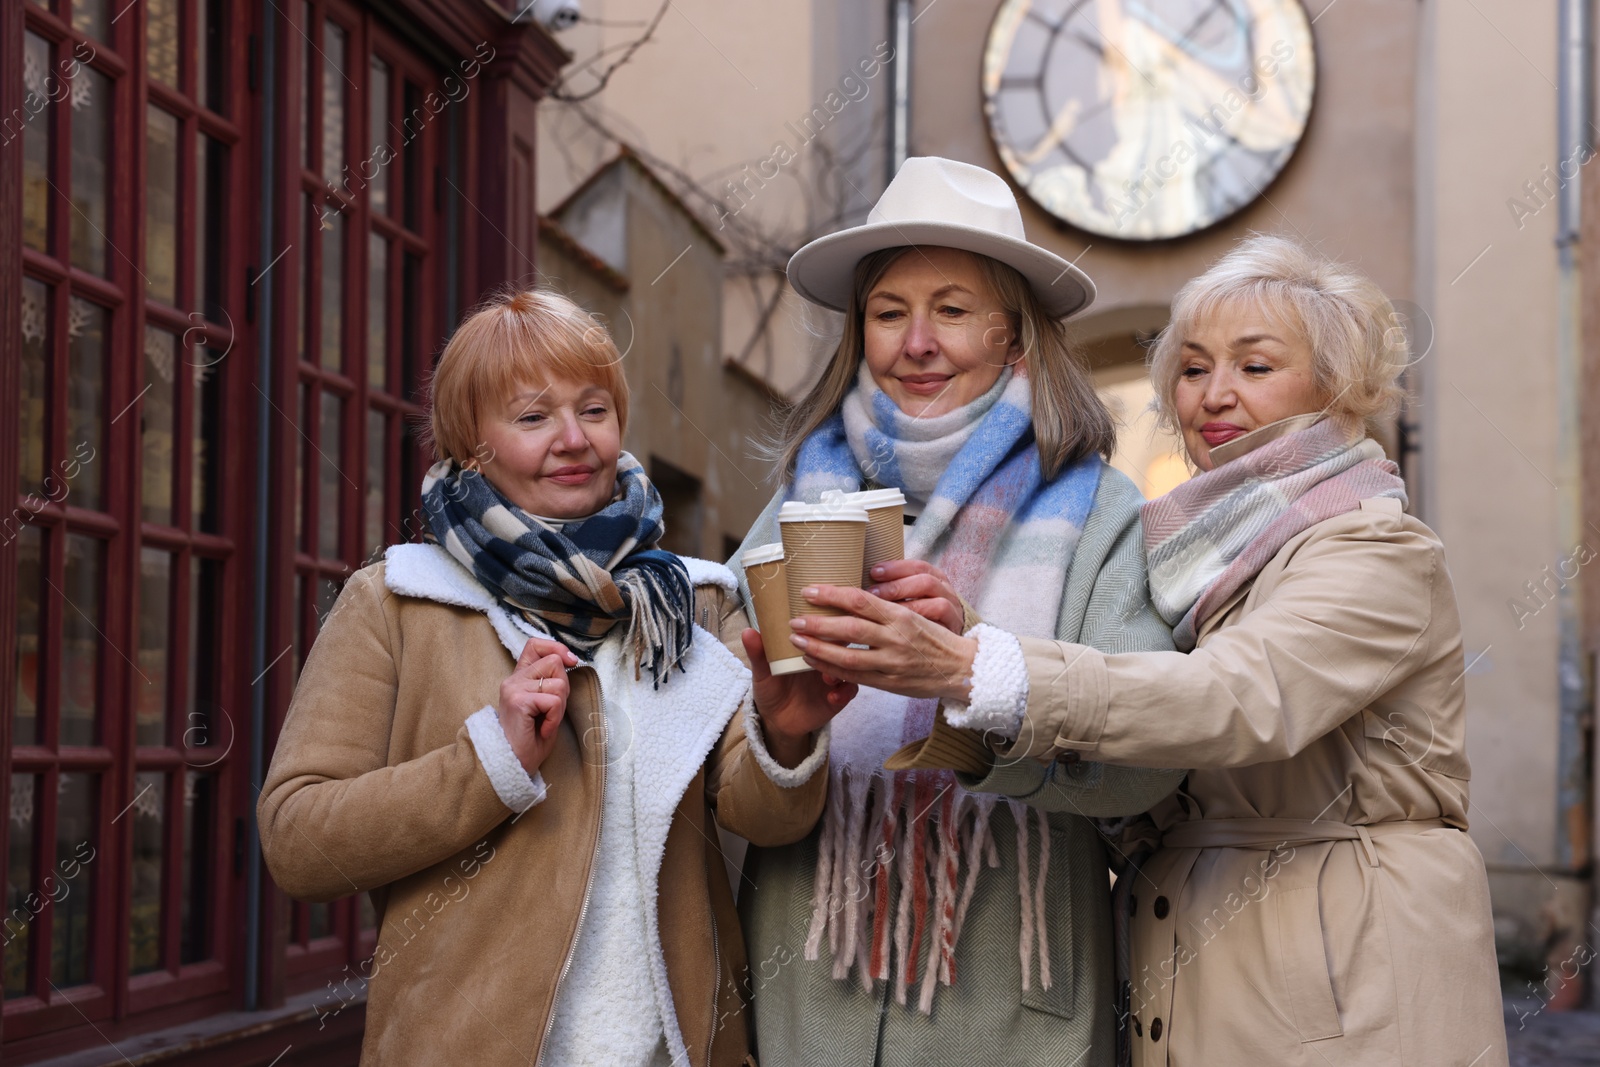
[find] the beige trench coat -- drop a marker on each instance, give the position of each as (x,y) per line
(1315,900)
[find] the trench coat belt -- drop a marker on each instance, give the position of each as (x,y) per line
(1271,833)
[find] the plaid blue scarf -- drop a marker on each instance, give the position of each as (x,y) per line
(579,580)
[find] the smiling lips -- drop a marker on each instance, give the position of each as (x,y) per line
(925,384)
(1217,433)
(577,475)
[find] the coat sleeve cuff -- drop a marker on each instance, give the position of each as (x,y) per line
(512,784)
(999,686)
(1067,700)
(787,777)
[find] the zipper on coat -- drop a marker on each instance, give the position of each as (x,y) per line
(588,882)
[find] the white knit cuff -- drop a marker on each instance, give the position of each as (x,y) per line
(511,782)
(787,777)
(999,685)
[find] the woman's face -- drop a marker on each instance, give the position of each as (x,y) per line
(1242,368)
(553,448)
(936,338)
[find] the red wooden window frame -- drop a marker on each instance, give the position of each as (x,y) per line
(173,990)
(318,472)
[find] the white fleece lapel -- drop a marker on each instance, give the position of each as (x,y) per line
(428,572)
(675,728)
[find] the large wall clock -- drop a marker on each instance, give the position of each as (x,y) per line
(1147,119)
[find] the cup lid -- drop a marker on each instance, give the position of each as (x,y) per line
(828,511)
(772,553)
(866,498)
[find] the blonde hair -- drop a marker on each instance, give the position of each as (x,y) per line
(1358,348)
(1070,421)
(516,338)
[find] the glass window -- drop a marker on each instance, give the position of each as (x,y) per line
(161,40)
(195,897)
(144,912)
(204,646)
(23,902)
(70,960)
(92,17)
(161,206)
(155,638)
(329,443)
(332,353)
(81,627)
(334,83)
(377,311)
(211,55)
(91,158)
(211,172)
(156,424)
(87,330)
(32,423)
(206,426)
(38,80)
(30,587)
(377,470)
(378,138)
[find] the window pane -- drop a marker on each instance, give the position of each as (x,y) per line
(412,186)
(333,87)
(17,925)
(377,311)
(70,930)
(80,639)
(155,637)
(302,472)
(332,354)
(411,328)
(35,374)
(308,214)
(91,157)
(144,918)
(366,914)
(211,61)
(206,425)
(161,206)
(86,356)
(161,40)
(37,80)
(377,468)
(308,20)
(92,17)
(211,173)
(195,909)
(321,921)
(330,477)
(378,137)
(30,584)
(200,727)
(156,411)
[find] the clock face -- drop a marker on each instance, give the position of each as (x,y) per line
(1147,119)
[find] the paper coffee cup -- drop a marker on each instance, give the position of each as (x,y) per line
(769,590)
(886,525)
(823,544)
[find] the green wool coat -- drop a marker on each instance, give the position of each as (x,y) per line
(804,1017)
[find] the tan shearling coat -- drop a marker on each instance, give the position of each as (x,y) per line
(1315,900)
(376,786)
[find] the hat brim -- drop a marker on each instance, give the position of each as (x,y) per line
(824,270)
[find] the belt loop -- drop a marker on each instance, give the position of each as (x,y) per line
(1366,845)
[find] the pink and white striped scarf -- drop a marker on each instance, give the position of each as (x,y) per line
(1208,537)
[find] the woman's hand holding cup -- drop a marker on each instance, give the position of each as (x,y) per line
(906,652)
(533,700)
(923,588)
(792,707)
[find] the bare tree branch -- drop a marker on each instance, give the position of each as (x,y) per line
(558,90)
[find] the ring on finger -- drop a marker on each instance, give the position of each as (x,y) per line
(540,687)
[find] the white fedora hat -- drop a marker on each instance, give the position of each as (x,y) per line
(936,201)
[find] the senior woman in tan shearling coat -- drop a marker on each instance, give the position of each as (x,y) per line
(1314,899)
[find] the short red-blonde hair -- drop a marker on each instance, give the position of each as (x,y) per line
(515,339)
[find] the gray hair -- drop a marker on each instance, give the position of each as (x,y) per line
(1358,348)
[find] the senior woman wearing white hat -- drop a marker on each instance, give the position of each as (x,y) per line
(924,923)
(1314,900)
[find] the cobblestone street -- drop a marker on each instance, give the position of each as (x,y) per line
(1552,1039)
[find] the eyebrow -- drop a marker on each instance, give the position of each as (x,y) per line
(953,287)
(1243,341)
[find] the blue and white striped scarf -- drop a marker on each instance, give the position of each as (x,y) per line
(1005,537)
(578,580)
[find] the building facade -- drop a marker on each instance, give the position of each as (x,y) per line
(233,237)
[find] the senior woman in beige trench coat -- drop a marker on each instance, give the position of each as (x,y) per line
(1314,898)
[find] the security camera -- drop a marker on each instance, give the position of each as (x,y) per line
(556,15)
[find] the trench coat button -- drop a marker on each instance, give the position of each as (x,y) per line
(1161,907)
(1155,1030)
